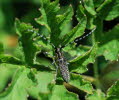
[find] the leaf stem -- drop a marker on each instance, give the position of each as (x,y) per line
(95,68)
(96,75)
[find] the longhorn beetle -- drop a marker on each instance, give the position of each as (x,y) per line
(60,60)
(62,64)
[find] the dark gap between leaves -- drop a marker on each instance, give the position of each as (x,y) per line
(31,98)
(83,41)
(42,67)
(108,25)
(7,84)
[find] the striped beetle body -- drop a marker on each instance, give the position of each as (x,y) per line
(62,65)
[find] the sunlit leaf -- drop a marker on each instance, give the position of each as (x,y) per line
(80,83)
(97,95)
(109,46)
(112,93)
(18,86)
(60,92)
(89,6)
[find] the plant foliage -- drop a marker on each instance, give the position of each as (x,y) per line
(29,72)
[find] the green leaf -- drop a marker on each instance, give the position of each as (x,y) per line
(103,6)
(6,72)
(72,52)
(97,3)
(110,76)
(4,58)
(45,83)
(78,30)
(90,21)
(81,14)
(90,13)
(48,19)
(43,61)
(24,82)
(79,64)
(89,6)
(18,53)
(109,50)
(43,19)
(55,21)
(80,83)
(27,33)
(18,87)
(90,16)
(112,93)
(112,7)
(60,92)
(46,89)
(109,46)
(44,2)
(48,15)
(45,46)
(97,95)
(114,12)
(65,18)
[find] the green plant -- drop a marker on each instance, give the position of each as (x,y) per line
(29,73)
